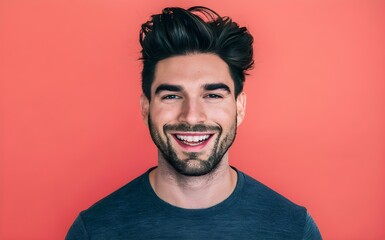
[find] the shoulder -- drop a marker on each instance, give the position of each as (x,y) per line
(263,201)
(112,212)
(121,201)
(265,195)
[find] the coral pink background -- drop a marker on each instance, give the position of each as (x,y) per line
(71,131)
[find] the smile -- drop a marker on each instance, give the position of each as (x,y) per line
(192,140)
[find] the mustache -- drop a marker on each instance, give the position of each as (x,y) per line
(183,127)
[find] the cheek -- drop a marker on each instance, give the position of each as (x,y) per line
(223,115)
(162,115)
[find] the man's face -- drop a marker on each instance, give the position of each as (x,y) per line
(193,114)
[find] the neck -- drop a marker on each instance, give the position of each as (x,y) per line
(193,192)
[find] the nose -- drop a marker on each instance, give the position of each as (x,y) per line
(192,112)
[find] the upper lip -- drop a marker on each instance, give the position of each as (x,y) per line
(191,133)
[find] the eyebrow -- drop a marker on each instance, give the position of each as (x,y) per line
(168,87)
(178,88)
(215,86)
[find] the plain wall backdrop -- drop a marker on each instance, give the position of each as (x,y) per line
(71,131)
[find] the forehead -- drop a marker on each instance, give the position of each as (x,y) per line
(192,70)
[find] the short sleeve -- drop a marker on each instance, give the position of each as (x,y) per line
(77,231)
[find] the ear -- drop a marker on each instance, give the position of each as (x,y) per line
(145,106)
(241,107)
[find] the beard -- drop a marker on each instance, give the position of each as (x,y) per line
(193,163)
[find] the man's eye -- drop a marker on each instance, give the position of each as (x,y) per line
(170,97)
(213,96)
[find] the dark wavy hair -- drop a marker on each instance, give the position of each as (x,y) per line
(177,31)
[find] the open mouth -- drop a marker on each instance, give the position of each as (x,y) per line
(192,140)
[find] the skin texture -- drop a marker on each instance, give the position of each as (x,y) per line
(192,96)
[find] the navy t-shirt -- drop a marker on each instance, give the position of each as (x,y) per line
(252,211)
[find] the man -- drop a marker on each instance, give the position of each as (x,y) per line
(194,65)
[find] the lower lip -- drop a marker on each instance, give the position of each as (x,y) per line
(192,148)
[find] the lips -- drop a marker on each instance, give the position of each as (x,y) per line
(192,141)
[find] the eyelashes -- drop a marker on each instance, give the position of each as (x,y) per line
(168,97)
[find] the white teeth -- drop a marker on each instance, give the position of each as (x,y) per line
(192,138)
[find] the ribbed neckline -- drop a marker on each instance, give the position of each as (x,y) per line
(169,209)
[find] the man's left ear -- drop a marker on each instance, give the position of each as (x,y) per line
(241,107)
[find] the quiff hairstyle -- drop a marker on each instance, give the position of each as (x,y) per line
(177,31)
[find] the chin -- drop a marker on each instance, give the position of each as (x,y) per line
(194,167)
